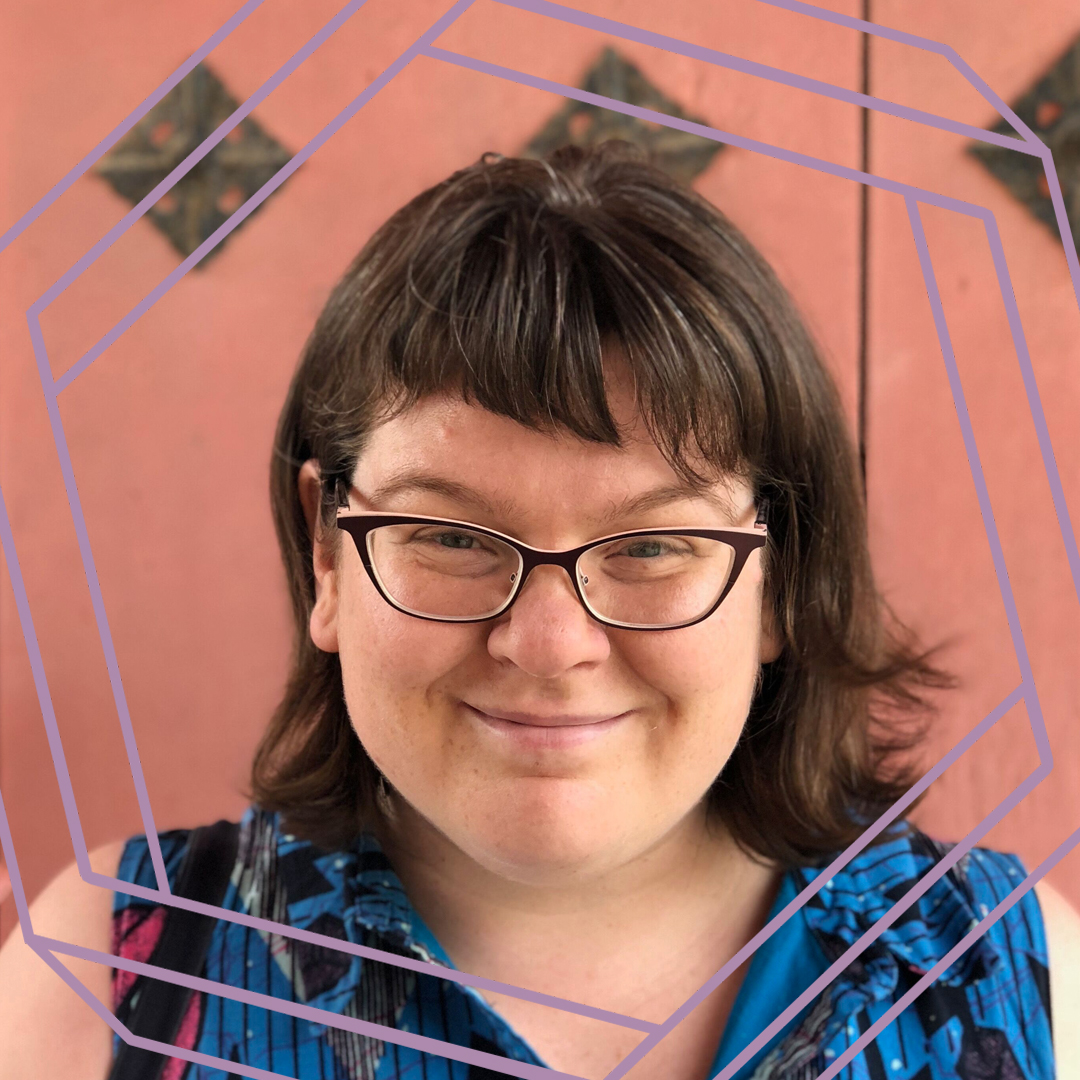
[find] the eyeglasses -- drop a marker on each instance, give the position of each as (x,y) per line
(453,571)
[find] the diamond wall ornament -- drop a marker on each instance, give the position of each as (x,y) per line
(1051,108)
(199,202)
(680,154)
(473,1058)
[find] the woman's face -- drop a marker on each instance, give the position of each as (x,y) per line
(533,803)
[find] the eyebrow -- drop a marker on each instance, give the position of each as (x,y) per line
(419,480)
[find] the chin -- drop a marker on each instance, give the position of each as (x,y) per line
(543,837)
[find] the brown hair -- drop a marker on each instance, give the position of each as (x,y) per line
(502,283)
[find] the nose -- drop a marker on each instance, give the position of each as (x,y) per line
(547,630)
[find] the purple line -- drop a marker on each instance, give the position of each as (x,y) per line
(842,860)
(1038,417)
(196,155)
(423,967)
(854,23)
(56,749)
(961,947)
(279,1005)
(975,211)
(917,42)
(1031,697)
(79,267)
(7,844)
(279,178)
(127,124)
(871,935)
(262,194)
(1038,725)
(151,1044)
(910,897)
(63,777)
(91,1000)
(1064,228)
(106,1015)
(1005,111)
(975,80)
(485,67)
(52,388)
(306,1012)
(765,71)
(908,191)
(894,914)
(1030,694)
(1029,142)
(929,197)
(269,926)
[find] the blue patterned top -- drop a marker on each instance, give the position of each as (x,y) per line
(986,1018)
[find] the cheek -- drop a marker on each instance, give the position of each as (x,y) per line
(715,660)
(385,646)
(704,677)
(396,652)
(392,667)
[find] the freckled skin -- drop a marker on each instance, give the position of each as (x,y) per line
(547,816)
(574,870)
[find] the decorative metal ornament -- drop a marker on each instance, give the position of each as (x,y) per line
(221,182)
(1051,108)
(682,155)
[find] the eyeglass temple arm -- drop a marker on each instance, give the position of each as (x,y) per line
(762,519)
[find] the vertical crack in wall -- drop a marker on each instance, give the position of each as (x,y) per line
(864,254)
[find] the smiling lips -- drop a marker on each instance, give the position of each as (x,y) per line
(555,720)
(533,732)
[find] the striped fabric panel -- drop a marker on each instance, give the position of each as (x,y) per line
(988,1017)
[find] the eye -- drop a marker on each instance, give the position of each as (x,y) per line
(650,547)
(458,540)
(645,548)
(449,539)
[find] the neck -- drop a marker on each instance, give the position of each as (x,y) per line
(693,889)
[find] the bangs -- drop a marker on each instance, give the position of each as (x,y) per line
(532,289)
(520,305)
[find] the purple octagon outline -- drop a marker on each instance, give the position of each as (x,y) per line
(1028,143)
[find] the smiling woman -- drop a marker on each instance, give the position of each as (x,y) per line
(544,342)
(590,680)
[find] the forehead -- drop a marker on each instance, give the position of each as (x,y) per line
(442,445)
(469,440)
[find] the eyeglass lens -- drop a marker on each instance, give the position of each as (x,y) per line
(455,573)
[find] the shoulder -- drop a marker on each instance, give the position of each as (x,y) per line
(136,864)
(1062,923)
(1030,952)
(35,1001)
(1041,925)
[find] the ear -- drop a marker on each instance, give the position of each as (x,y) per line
(772,640)
(323,622)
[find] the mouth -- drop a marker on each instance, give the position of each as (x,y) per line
(545,720)
(546,731)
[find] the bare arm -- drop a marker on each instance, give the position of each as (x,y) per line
(46,1030)
(1063,943)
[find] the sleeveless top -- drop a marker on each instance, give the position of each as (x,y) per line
(987,1017)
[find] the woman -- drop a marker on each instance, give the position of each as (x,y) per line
(590,680)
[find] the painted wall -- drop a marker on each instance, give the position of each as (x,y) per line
(170,429)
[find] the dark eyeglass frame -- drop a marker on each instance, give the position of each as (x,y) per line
(358,523)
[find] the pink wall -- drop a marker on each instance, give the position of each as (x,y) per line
(929,542)
(170,430)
